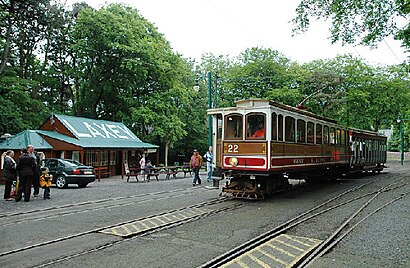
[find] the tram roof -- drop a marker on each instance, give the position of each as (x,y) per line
(262,103)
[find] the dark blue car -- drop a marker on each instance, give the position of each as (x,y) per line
(66,171)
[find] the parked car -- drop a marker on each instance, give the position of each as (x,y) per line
(67,171)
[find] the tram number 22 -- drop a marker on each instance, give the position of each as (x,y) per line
(233,148)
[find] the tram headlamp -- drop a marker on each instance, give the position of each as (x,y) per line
(233,161)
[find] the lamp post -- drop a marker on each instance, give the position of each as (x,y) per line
(400,121)
(210,104)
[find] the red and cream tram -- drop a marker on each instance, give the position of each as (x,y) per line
(260,144)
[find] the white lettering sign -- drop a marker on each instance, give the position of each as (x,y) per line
(105,131)
(114,129)
(126,130)
(93,131)
(78,134)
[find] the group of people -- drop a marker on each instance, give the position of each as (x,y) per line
(145,165)
(27,170)
(196,163)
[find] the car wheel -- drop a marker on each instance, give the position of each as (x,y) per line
(61,182)
(82,185)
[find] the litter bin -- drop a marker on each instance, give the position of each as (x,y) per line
(215,183)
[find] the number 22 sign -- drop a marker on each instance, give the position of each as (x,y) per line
(233,148)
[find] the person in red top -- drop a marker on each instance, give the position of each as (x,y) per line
(260,132)
(195,164)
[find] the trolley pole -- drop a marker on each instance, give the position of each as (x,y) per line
(211,104)
(400,120)
(209,107)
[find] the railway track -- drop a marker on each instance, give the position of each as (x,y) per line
(84,207)
(314,248)
(92,202)
(177,217)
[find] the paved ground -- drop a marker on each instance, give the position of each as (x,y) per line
(381,241)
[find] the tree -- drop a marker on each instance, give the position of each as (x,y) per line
(23,28)
(358,21)
(126,70)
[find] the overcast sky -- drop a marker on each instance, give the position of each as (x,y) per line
(228,27)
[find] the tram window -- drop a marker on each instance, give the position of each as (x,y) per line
(289,129)
(338,137)
(219,126)
(280,127)
(255,126)
(310,132)
(332,135)
(343,136)
(325,135)
(233,127)
(274,127)
(319,133)
(301,131)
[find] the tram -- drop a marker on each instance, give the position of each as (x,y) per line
(260,144)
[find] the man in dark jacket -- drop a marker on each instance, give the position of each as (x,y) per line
(26,169)
(37,172)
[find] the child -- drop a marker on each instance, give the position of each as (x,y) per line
(45,182)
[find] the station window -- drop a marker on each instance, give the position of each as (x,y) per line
(255,126)
(325,135)
(332,135)
(280,127)
(310,132)
(319,133)
(274,127)
(301,127)
(289,129)
(233,127)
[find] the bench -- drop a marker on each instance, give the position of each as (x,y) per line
(102,171)
(143,173)
(187,169)
(169,172)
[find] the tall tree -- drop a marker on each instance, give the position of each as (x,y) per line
(358,21)
(126,70)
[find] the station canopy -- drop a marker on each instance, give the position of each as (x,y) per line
(79,131)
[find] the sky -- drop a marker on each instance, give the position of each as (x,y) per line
(228,27)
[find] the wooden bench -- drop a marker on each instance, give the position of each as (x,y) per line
(169,172)
(187,169)
(145,173)
(102,171)
(152,172)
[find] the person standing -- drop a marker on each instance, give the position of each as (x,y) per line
(26,168)
(9,174)
(195,164)
(37,173)
(142,164)
(45,182)
(208,158)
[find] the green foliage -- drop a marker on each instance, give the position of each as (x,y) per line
(113,64)
(18,110)
(365,22)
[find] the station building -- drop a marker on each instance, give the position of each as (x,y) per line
(105,145)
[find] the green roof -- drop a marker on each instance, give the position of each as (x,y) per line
(23,139)
(89,133)
(92,133)
(98,142)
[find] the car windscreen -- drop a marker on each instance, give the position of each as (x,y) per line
(69,164)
